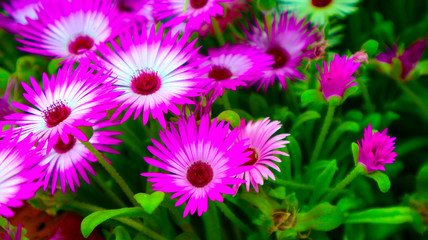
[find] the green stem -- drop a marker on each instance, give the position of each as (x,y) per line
(217,31)
(345,182)
(134,224)
(112,171)
(414,97)
(235,31)
(226,102)
(109,192)
(324,130)
(294,184)
(366,95)
(232,217)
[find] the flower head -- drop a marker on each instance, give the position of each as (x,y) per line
(411,56)
(19,171)
(235,65)
(376,149)
(154,72)
(68,29)
(336,79)
(193,12)
(201,162)
(139,11)
(320,10)
(69,160)
(67,101)
(287,42)
(263,148)
(20,10)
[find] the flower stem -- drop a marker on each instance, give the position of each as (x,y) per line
(226,102)
(109,192)
(134,224)
(324,130)
(366,95)
(232,217)
(112,171)
(414,97)
(217,31)
(345,182)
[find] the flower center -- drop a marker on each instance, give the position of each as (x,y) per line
(219,73)
(145,83)
(321,3)
(61,147)
(80,43)
(199,174)
(280,56)
(253,157)
(198,3)
(56,113)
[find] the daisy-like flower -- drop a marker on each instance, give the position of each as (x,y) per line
(287,42)
(67,161)
(69,28)
(19,170)
(235,65)
(263,148)
(376,149)
(154,72)
(201,162)
(66,102)
(338,78)
(320,10)
(20,10)
(193,12)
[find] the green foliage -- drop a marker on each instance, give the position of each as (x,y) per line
(381,179)
(231,117)
(390,215)
(149,202)
(323,217)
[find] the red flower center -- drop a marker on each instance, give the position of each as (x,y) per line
(253,157)
(198,3)
(80,43)
(145,83)
(279,55)
(61,147)
(199,174)
(321,3)
(219,73)
(56,113)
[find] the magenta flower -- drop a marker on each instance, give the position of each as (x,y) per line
(154,72)
(138,11)
(201,162)
(19,171)
(193,12)
(376,149)
(67,161)
(338,78)
(235,65)
(263,148)
(18,11)
(68,29)
(287,42)
(66,102)
(387,56)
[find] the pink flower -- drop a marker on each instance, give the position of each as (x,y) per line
(287,42)
(154,72)
(67,101)
(70,28)
(19,171)
(18,11)
(376,149)
(336,79)
(263,148)
(235,65)
(200,161)
(67,161)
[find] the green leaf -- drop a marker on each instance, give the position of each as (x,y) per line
(296,156)
(371,47)
(422,179)
(390,215)
(231,117)
(266,5)
(323,217)
(186,236)
(349,202)
(94,219)
(381,179)
(121,233)
(310,96)
(355,232)
(278,193)
(323,181)
(374,119)
(258,105)
(304,117)
(54,65)
(4,78)
(354,90)
(243,114)
(149,202)
(355,152)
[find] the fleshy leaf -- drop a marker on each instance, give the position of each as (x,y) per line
(323,217)
(231,117)
(355,152)
(149,202)
(310,96)
(323,181)
(121,233)
(258,105)
(381,179)
(390,215)
(371,47)
(304,117)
